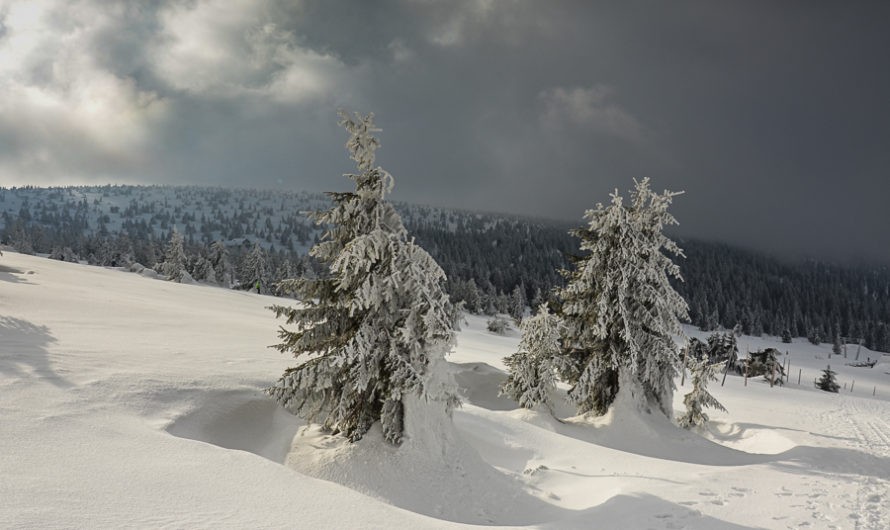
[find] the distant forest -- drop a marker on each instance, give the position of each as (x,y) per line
(494,262)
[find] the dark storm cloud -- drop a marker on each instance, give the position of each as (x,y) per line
(772,116)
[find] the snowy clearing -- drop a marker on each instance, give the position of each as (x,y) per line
(127,401)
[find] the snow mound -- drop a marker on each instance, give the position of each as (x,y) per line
(433,472)
(627,427)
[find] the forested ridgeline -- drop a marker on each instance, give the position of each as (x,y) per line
(494,262)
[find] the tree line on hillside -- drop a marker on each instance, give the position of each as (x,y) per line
(494,263)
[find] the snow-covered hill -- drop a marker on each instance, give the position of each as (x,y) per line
(127,401)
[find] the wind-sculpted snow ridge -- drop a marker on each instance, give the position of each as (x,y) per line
(131,402)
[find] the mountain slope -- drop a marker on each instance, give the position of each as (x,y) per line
(132,401)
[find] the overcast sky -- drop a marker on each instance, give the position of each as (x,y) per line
(774,117)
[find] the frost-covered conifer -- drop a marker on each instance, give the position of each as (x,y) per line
(702,373)
(202,270)
(619,308)
(786,336)
(498,325)
(517,304)
(837,347)
(255,269)
(375,328)
(828,381)
(173,266)
(222,267)
(533,369)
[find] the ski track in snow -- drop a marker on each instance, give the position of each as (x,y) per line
(870,432)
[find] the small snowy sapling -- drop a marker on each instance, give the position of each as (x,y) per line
(703,373)
(828,381)
(533,369)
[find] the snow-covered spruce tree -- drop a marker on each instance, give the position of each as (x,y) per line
(173,266)
(786,336)
(377,325)
(202,270)
(255,270)
(218,256)
(703,372)
(533,369)
(619,308)
(497,324)
(837,347)
(517,304)
(828,381)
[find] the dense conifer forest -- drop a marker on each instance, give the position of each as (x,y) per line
(494,262)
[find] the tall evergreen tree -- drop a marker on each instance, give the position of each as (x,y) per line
(174,264)
(619,308)
(377,325)
(517,304)
(533,369)
(837,346)
(255,270)
(218,255)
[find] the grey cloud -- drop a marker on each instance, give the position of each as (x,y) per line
(772,116)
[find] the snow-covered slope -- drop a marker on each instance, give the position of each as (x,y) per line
(131,401)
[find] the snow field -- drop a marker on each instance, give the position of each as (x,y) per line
(126,401)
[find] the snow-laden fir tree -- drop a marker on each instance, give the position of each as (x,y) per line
(497,324)
(218,255)
(174,264)
(703,373)
(828,381)
(533,369)
(619,308)
(376,327)
(255,270)
(202,270)
(517,304)
(723,347)
(786,336)
(837,347)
